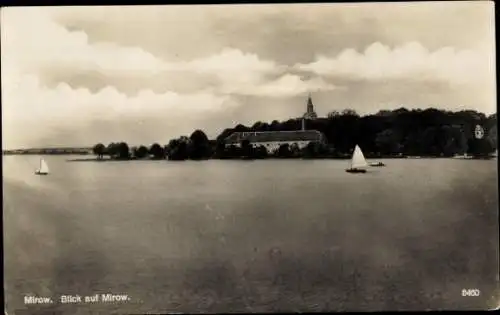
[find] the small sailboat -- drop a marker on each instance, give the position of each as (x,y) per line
(43,169)
(377,164)
(358,162)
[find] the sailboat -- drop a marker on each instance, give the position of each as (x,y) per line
(358,162)
(43,169)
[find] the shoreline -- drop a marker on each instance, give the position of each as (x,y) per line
(276,158)
(368,157)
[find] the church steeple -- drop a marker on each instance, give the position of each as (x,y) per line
(310,113)
(310,106)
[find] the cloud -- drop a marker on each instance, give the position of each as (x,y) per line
(29,96)
(229,61)
(411,61)
(35,46)
(44,109)
(35,43)
(241,73)
(162,65)
(287,85)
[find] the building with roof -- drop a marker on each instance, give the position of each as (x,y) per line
(272,140)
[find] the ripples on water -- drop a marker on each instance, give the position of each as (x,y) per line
(253,236)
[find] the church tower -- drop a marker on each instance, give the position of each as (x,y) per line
(310,113)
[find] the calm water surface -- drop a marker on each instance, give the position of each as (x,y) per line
(251,236)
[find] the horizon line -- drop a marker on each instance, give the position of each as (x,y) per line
(296,118)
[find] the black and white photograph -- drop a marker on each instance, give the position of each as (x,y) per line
(250,158)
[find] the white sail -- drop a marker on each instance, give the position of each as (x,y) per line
(44,168)
(358,159)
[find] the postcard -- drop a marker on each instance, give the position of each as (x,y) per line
(256,158)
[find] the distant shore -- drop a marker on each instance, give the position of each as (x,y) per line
(92,158)
(400,133)
(279,158)
(20,152)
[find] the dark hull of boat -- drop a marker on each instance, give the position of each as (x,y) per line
(355,170)
(38,173)
(377,165)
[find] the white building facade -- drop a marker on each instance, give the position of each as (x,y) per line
(272,140)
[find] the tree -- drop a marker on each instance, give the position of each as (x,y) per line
(492,137)
(140,152)
(99,150)
(258,126)
(291,124)
(232,151)
(451,139)
(412,143)
(275,126)
(112,150)
(241,128)
(313,149)
(247,149)
(157,151)
(123,151)
(165,151)
(388,142)
(199,147)
(284,151)
(349,112)
(198,136)
(384,112)
(462,144)
(220,149)
(333,114)
(294,150)
(428,145)
(178,149)
(480,147)
(261,152)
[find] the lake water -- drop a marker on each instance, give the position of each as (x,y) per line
(251,236)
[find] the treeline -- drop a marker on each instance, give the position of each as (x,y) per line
(199,147)
(195,147)
(187,148)
(430,132)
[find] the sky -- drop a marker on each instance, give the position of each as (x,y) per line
(76,76)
